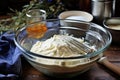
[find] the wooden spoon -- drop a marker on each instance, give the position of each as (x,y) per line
(112,67)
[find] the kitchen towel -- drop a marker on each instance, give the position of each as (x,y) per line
(10,57)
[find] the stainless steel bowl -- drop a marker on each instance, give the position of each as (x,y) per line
(70,66)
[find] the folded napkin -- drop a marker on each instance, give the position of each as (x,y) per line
(10,60)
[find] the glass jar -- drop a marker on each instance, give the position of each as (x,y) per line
(35,15)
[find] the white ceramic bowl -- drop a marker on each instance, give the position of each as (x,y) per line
(76,15)
(113,25)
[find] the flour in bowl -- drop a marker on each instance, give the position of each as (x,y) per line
(58,46)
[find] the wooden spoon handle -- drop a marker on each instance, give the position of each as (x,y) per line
(109,65)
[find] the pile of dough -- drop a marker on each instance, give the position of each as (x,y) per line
(57,46)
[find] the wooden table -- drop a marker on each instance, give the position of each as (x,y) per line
(97,72)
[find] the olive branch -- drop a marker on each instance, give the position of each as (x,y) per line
(19,19)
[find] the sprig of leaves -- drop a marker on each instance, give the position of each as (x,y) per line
(19,19)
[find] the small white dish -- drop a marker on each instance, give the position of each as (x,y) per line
(113,25)
(76,15)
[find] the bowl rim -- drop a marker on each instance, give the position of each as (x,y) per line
(93,54)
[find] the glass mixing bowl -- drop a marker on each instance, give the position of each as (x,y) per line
(94,34)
